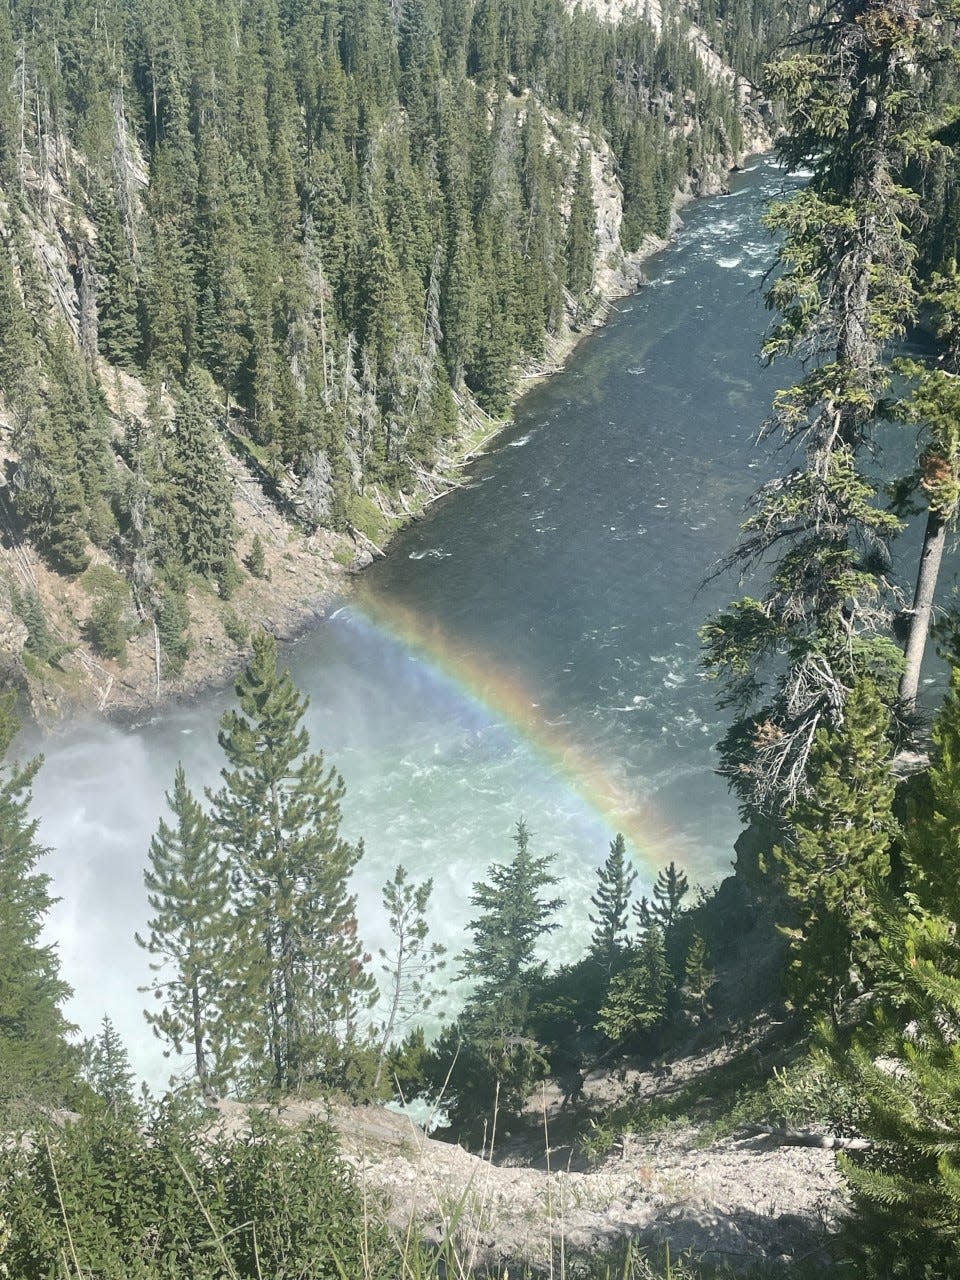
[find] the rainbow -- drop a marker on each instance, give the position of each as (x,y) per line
(505,697)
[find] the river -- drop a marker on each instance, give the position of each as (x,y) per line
(528,649)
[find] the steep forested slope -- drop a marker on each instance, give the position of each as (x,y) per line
(263,263)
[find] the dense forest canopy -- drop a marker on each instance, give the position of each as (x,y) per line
(319,233)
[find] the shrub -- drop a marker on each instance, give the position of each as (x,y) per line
(229,578)
(177,1203)
(108,626)
(238,632)
(256,558)
(173,619)
(29,609)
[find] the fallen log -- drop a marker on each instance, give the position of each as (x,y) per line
(804,1138)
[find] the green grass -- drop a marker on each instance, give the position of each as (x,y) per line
(101,579)
(364,515)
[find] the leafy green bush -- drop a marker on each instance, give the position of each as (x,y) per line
(102,1198)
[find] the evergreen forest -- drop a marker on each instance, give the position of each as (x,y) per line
(289,256)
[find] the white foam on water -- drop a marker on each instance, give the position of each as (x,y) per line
(728,263)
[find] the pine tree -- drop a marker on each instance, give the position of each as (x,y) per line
(77,407)
(488,1057)
(846,291)
(277,818)
(903,1064)
(169,298)
(191,937)
(669,890)
(106,1068)
(582,231)
(29,609)
(838,848)
(47,489)
(932,833)
(117,324)
(256,558)
(638,996)
(17,346)
(615,881)
(513,918)
(201,490)
(9,133)
(172,618)
(491,369)
(904,1069)
(934,404)
(412,965)
(35,1059)
(459,313)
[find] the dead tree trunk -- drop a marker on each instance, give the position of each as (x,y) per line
(934,537)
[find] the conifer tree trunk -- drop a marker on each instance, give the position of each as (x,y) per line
(200,1058)
(390,1024)
(934,538)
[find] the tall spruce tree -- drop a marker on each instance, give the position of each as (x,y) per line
(118,332)
(36,1062)
(934,405)
(666,905)
(191,937)
(837,849)
(277,817)
(615,881)
(903,1064)
(488,1059)
(47,491)
(846,290)
(106,1067)
(582,230)
(513,917)
(200,490)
